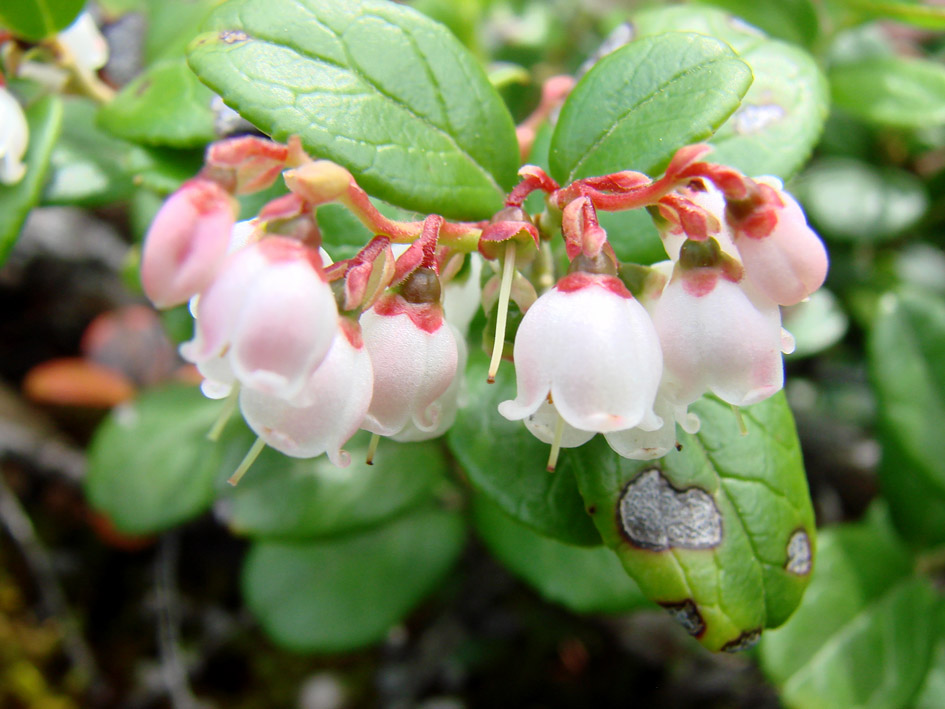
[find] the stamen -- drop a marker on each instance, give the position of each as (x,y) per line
(742,428)
(229,406)
(556,444)
(250,458)
(505,290)
(372,448)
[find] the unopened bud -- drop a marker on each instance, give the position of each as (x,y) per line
(318,182)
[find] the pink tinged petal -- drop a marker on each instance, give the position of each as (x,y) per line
(712,201)
(284,329)
(218,378)
(790,262)
(726,340)
(448,402)
(542,425)
(187,242)
(637,444)
(14,137)
(594,349)
(415,359)
(340,390)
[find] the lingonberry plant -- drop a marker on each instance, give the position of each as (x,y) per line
(407,315)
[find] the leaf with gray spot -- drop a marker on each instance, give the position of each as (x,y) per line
(720,533)
(780,118)
(374,86)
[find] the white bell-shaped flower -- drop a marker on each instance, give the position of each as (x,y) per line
(340,391)
(590,346)
(718,336)
(85,41)
(448,402)
(415,359)
(270,314)
(14,137)
(784,259)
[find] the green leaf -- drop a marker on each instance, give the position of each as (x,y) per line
(641,103)
(781,116)
(89,167)
(150,464)
(863,637)
(586,580)
(907,365)
(506,464)
(932,693)
(374,86)
(891,91)
(852,200)
(172,24)
(345,593)
(792,20)
(920,14)
(916,506)
(45,122)
(37,19)
(720,532)
(294,498)
(166,105)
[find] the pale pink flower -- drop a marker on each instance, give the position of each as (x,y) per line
(14,137)
(86,43)
(782,255)
(415,357)
(590,346)
(713,201)
(270,314)
(187,242)
(448,402)
(718,336)
(339,391)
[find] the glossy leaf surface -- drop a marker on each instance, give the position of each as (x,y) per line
(374,86)
(641,103)
(506,463)
(721,532)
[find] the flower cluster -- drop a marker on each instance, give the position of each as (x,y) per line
(314,351)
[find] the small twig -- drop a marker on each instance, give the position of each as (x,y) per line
(167,607)
(20,528)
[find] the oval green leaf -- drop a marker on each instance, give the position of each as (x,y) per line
(347,592)
(907,363)
(293,498)
(166,105)
(781,116)
(150,464)
(852,200)
(641,103)
(506,463)
(45,123)
(791,20)
(863,638)
(374,86)
(721,532)
(586,580)
(891,90)
(38,19)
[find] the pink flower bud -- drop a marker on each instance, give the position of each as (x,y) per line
(14,137)
(415,358)
(718,336)
(270,313)
(593,348)
(187,242)
(785,259)
(248,163)
(340,391)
